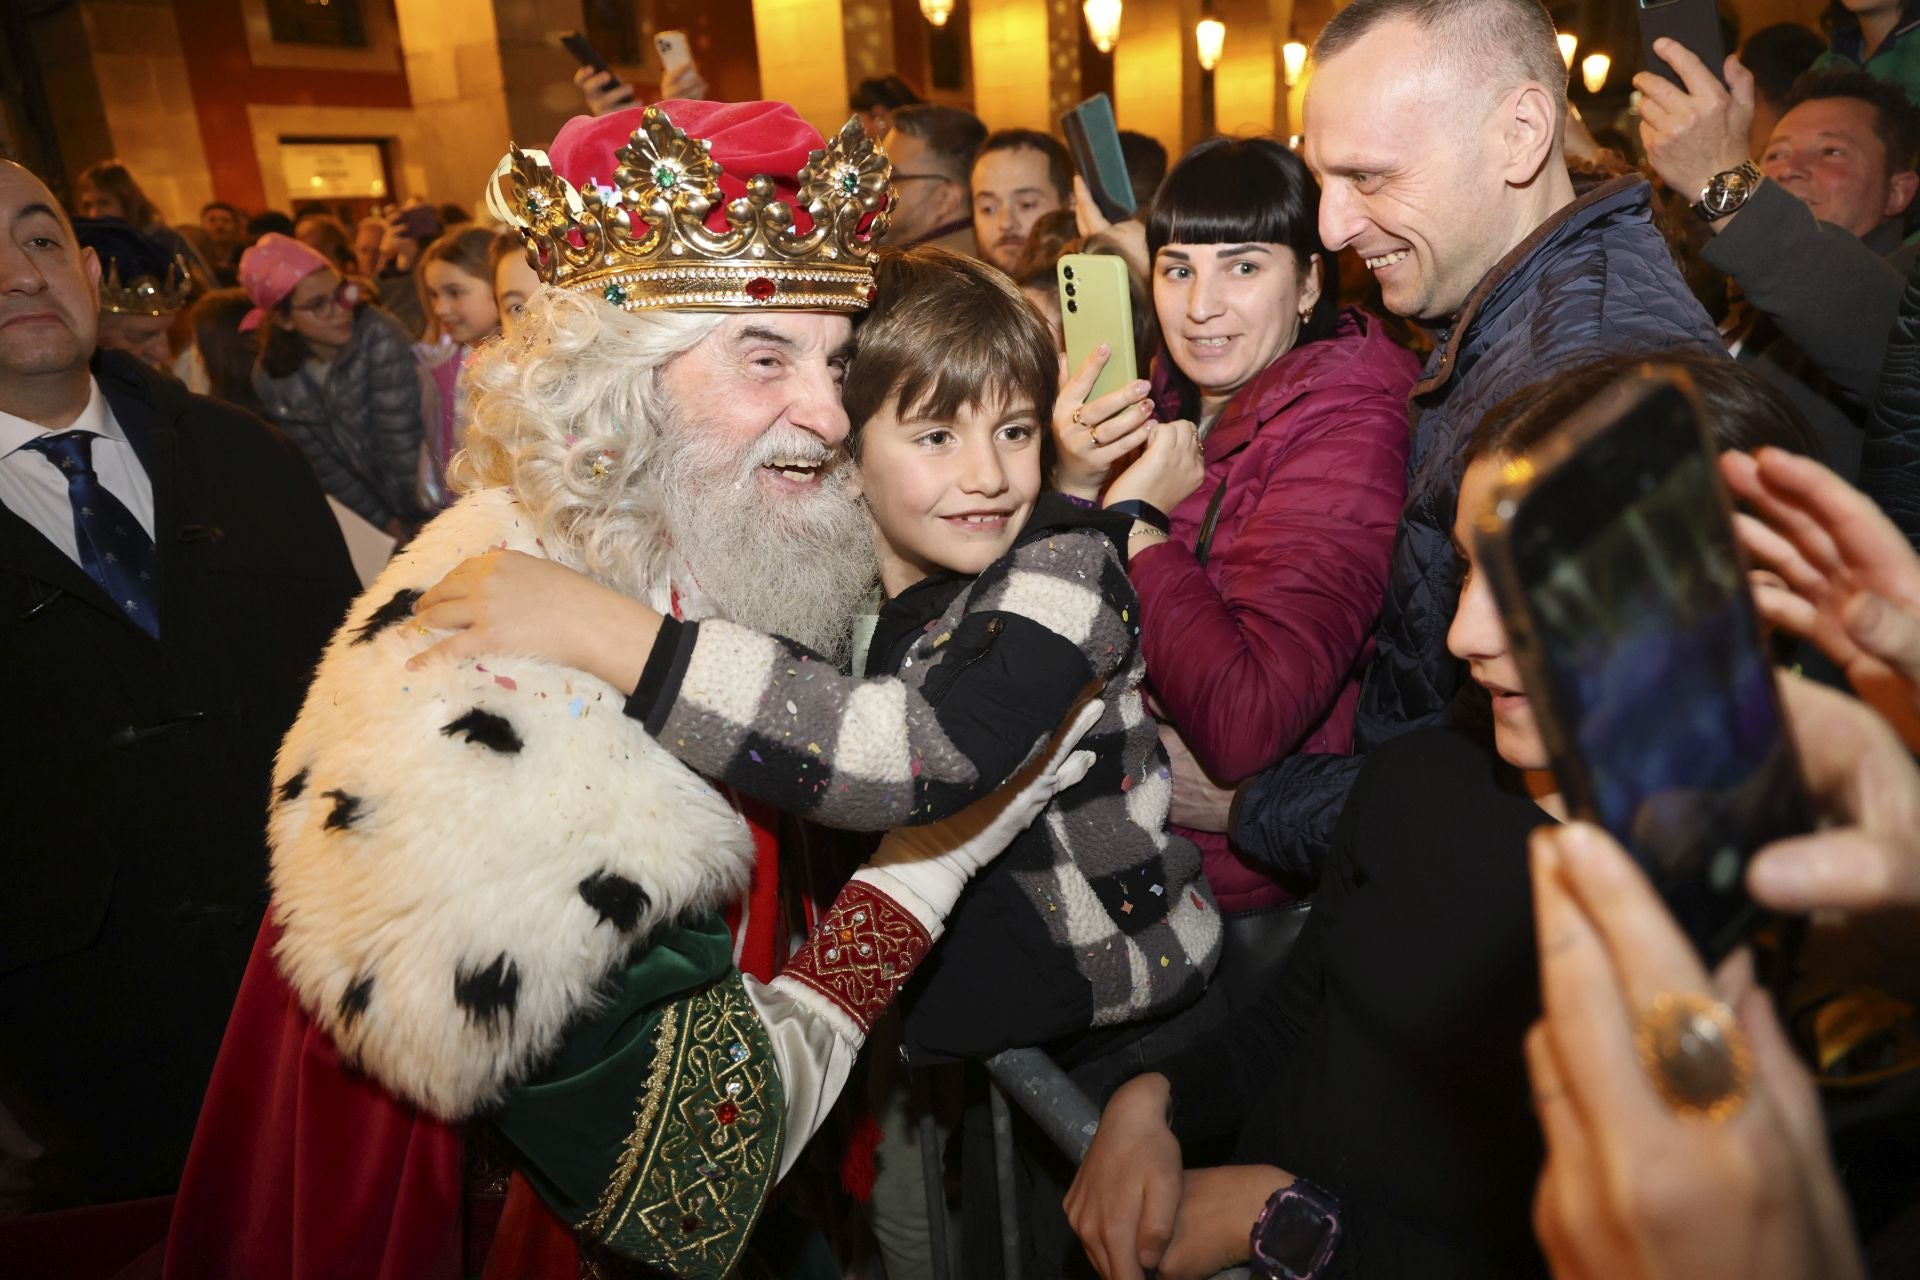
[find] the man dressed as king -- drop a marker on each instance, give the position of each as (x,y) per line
(503,916)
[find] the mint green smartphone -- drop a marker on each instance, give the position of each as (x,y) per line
(1096,307)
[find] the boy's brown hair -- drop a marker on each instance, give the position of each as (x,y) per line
(948,332)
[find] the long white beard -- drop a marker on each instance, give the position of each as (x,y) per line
(797,566)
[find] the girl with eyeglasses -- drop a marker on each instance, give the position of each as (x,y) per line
(338,377)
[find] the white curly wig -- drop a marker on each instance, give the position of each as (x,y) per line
(559,416)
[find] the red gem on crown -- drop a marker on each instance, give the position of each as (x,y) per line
(726,1113)
(760,288)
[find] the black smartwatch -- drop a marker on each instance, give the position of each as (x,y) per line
(1143,511)
(1295,1236)
(1727,192)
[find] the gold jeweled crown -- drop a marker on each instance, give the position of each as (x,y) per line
(145,295)
(644,242)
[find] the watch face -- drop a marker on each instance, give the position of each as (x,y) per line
(1728,191)
(1294,1234)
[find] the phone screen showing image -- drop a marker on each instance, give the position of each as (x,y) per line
(1661,684)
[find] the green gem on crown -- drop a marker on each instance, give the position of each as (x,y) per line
(615,294)
(665,176)
(849,180)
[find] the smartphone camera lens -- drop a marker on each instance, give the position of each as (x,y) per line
(1073,306)
(1067,272)
(1070,291)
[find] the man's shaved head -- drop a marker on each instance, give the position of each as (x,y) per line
(1496,45)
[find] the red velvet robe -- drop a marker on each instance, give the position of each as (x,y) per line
(304,1169)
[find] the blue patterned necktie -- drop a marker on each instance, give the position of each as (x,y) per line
(114,550)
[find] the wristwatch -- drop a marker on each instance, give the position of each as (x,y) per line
(1727,192)
(1296,1233)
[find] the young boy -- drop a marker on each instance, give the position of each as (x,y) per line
(1003,605)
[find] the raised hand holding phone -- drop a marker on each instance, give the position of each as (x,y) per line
(1697,128)
(1098,162)
(1093,433)
(603,90)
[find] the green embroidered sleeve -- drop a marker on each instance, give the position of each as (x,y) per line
(656,1129)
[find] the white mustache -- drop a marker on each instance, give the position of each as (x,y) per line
(785,446)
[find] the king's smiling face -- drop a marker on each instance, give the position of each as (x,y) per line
(758,490)
(766,388)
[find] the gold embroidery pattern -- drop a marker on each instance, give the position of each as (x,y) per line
(704,1158)
(665,1036)
(862,952)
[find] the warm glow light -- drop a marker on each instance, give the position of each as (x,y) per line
(1293,56)
(1568,43)
(1210,36)
(1103,23)
(1593,71)
(937,11)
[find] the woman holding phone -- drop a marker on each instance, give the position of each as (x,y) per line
(1382,1072)
(1255,616)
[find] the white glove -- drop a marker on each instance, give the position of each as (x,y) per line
(925,868)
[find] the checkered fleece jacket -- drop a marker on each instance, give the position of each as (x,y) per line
(979,691)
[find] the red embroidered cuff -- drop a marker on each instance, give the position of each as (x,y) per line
(862,953)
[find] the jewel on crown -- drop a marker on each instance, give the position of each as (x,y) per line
(643,240)
(145,295)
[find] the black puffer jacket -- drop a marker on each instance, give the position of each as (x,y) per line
(1890,458)
(1595,279)
(360,428)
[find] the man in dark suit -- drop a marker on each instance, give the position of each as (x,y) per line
(169,572)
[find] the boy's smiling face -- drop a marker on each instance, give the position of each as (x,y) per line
(949,492)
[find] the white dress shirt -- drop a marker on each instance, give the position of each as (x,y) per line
(34,487)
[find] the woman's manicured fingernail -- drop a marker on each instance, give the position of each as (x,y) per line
(1140,388)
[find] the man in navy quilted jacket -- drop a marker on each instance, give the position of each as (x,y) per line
(1436,127)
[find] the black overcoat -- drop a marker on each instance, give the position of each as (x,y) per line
(133,790)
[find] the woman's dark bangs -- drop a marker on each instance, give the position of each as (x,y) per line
(1206,201)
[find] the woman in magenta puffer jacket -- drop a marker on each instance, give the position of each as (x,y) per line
(1275,445)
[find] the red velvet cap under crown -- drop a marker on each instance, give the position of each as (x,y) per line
(747,139)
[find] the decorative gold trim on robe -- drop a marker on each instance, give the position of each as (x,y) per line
(695,1171)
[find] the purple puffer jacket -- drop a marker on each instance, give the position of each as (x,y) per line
(1257,654)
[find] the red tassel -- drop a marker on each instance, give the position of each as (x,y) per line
(857,1167)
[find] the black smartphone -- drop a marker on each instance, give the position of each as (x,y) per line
(1094,140)
(583,51)
(1611,550)
(1695,24)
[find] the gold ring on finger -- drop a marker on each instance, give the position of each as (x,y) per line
(1076,416)
(1696,1055)
(1093,435)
